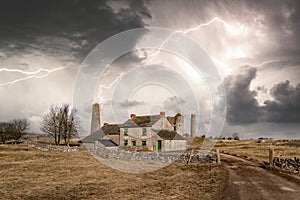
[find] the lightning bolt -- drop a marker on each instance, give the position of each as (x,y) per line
(228,27)
(155,51)
(101,99)
(34,74)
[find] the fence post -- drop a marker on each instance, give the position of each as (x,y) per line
(191,154)
(271,157)
(218,156)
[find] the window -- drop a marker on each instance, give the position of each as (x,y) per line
(144,132)
(144,143)
(126,132)
(133,143)
(125,142)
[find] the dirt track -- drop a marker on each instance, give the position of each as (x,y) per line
(248,181)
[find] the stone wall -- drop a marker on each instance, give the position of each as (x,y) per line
(210,158)
(152,156)
(117,153)
(174,145)
(291,164)
(45,147)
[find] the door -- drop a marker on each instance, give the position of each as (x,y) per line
(158,145)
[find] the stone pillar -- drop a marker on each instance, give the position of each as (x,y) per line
(95,118)
(193,125)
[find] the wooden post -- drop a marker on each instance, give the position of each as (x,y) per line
(218,156)
(190,156)
(95,147)
(271,156)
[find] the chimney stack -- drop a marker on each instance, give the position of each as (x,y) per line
(132,115)
(179,124)
(193,125)
(95,118)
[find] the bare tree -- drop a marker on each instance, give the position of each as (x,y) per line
(50,124)
(18,128)
(70,123)
(60,123)
(4,132)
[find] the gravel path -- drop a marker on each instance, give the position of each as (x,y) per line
(248,181)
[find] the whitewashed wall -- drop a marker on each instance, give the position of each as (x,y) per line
(174,145)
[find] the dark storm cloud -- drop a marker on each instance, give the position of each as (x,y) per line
(280,21)
(286,104)
(133,103)
(274,24)
(70,26)
(242,106)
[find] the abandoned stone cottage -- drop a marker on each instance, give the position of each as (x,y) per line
(153,131)
(150,132)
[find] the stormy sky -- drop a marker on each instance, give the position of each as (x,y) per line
(253,44)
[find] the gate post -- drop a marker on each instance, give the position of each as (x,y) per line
(271,157)
(218,156)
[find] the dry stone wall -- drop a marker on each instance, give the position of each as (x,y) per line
(117,153)
(45,147)
(291,164)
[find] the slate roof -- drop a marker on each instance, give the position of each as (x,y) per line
(141,121)
(107,143)
(111,129)
(169,135)
(99,134)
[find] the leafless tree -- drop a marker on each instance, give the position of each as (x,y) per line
(60,123)
(18,128)
(71,124)
(4,132)
(50,124)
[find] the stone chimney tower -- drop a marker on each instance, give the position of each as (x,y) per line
(95,118)
(179,123)
(193,125)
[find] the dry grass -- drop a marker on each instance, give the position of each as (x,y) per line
(26,173)
(259,151)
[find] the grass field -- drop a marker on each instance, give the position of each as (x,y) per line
(259,152)
(27,173)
